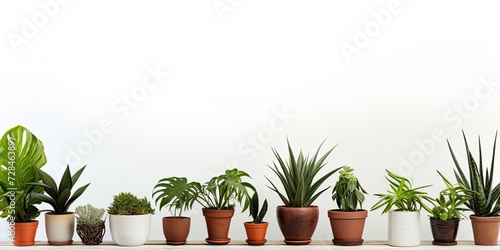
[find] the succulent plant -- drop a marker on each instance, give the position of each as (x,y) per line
(129,204)
(89,215)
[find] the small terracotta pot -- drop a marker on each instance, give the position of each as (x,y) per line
(347,227)
(297,224)
(485,230)
(25,233)
(218,222)
(256,233)
(176,229)
(444,232)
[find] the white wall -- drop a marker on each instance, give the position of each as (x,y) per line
(253,69)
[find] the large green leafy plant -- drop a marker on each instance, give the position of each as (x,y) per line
(297,176)
(402,195)
(224,191)
(59,198)
(348,192)
(176,193)
(486,197)
(448,204)
(20,153)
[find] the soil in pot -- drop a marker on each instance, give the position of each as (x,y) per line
(25,233)
(297,224)
(91,234)
(218,222)
(444,232)
(176,229)
(485,230)
(256,233)
(347,227)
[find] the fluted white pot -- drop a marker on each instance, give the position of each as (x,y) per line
(60,228)
(130,230)
(404,228)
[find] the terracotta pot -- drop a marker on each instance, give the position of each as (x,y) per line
(485,229)
(176,229)
(404,228)
(218,222)
(347,227)
(60,228)
(297,224)
(444,232)
(25,233)
(256,233)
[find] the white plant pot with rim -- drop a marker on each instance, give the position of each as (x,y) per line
(60,228)
(404,228)
(130,230)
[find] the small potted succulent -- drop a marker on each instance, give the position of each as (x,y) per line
(447,212)
(130,219)
(404,221)
(257,228)
(178,195)
(90,225)
(219,196)
(59,222)
(348,221)
(298,217)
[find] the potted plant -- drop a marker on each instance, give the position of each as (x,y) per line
(19,151)
(59,223)
(218,198)
(485,202)
(298,218)
(90,226)
(257,228)
(130,219)
(178,195)
(404,221)
(447,212)
(348,221)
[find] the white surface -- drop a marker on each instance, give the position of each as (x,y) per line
(90,83)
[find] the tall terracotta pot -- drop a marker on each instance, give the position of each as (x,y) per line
(297,224)
(256,233)
(444,232)
(25,233)
(485,230)
(347,227)
(176,229)
(218,222)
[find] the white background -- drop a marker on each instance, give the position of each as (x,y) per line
(243,77)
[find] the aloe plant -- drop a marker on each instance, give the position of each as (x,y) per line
(297,177)
(486,198)
(257,215)
(20,152)
(59,197)
(176,193)
(348,192)
(402,195)
(225,190)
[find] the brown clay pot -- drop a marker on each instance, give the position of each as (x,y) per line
(444,232)
(256,233)
(485,229)
(297,224)
(218,222)
(347,227)
(25,233)
(176,229)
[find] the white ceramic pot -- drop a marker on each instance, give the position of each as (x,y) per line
(60,228)
(404,228)
(130,230)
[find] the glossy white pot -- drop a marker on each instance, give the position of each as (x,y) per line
(60,228)
(130,230)
(404,228)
